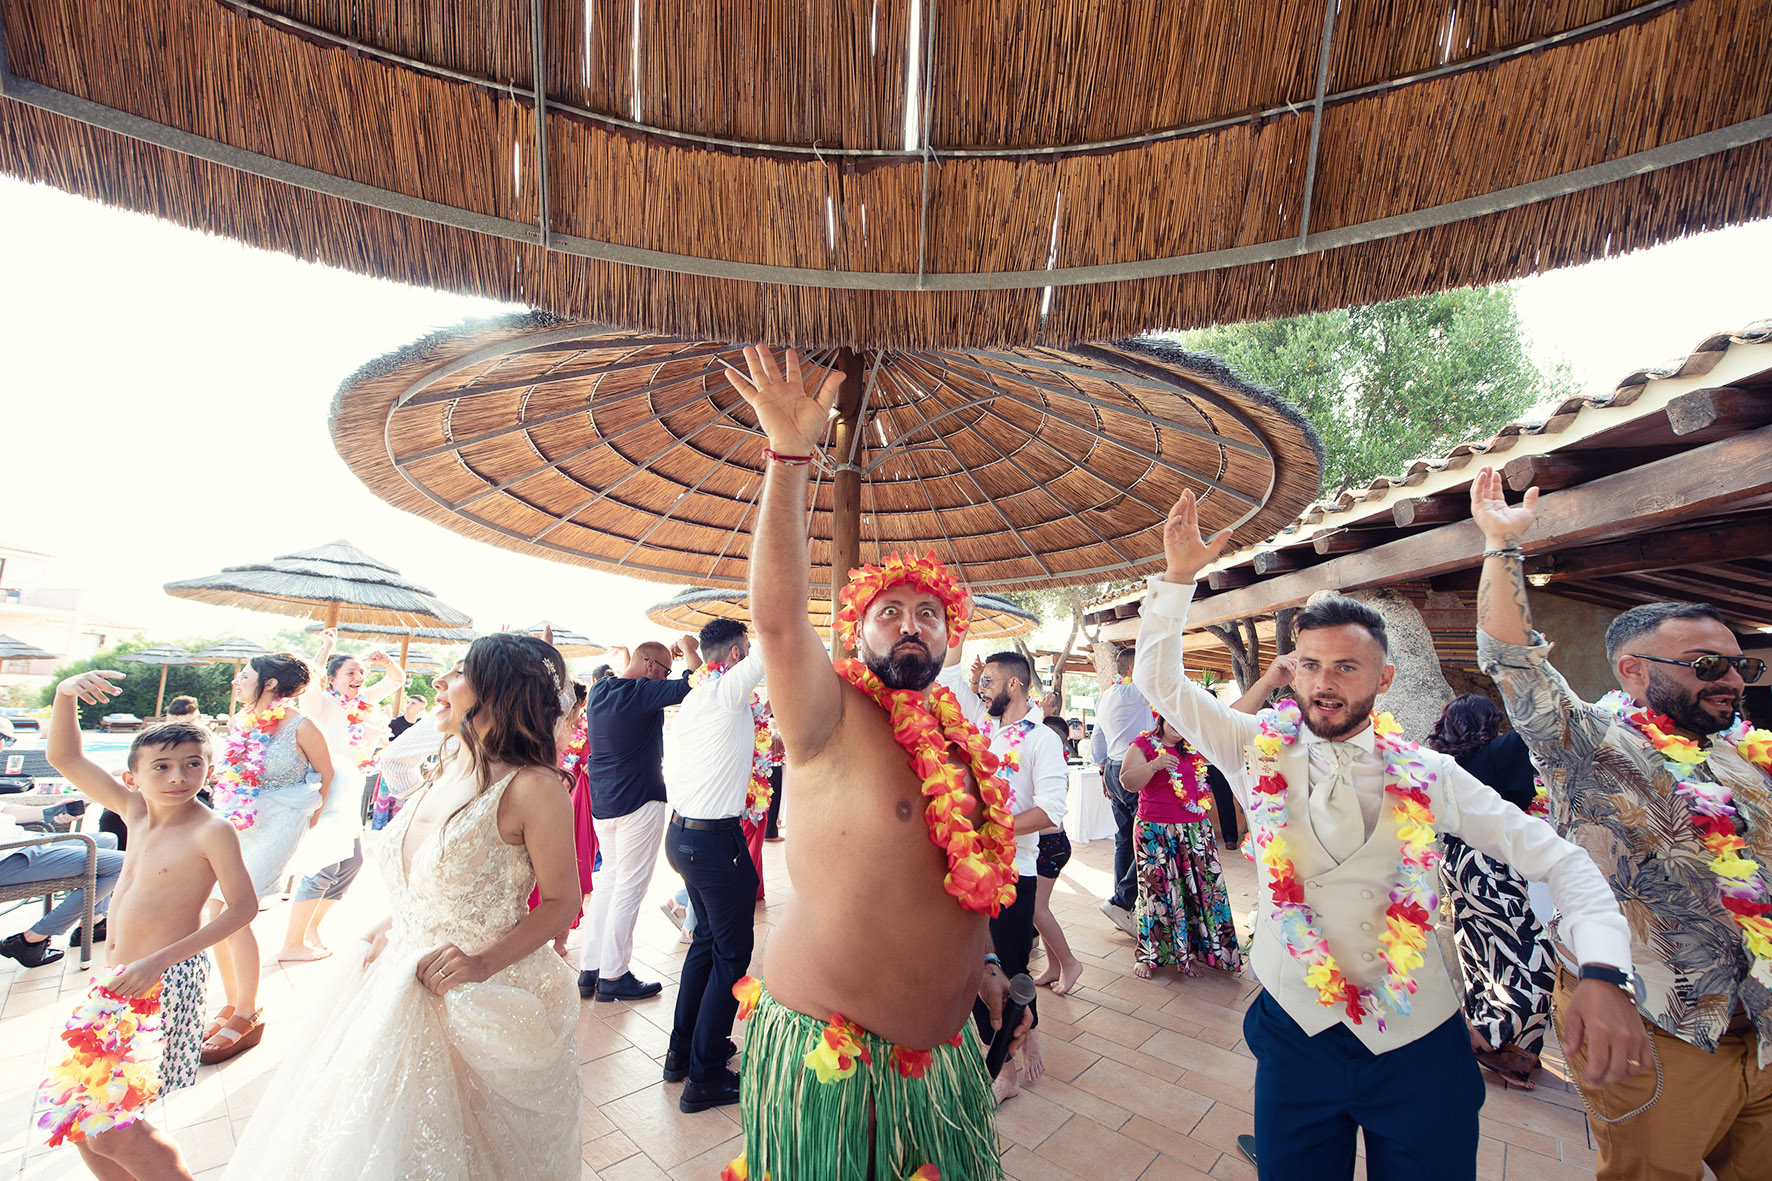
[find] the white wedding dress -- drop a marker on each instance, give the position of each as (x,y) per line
(392,1081)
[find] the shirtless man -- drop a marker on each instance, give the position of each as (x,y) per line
(873,933)
(178,852)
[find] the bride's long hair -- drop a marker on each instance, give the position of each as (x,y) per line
(518,683)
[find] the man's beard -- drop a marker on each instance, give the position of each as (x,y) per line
(908,666)
(1683,705)
(998,705)
(1354,714)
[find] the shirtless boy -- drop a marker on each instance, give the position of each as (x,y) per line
(178,852)
(872,972)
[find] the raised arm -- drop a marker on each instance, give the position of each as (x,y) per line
(1502,610)
(63,747)
(1215,731)
(394,677)
(806,691)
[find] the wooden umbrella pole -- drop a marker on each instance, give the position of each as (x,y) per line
(237,665)
(846,487)
(161,699)
(400,693)
(332,613)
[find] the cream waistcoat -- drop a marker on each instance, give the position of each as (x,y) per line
(1349,901)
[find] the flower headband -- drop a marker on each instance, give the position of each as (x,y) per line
(926,574)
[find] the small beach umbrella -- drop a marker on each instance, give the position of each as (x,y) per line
(235,652)
(571,644)
(166,656)
(336,583)
(16,649)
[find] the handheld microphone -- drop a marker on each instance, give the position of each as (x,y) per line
(1021,995)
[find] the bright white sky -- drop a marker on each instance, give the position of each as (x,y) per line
(166,394)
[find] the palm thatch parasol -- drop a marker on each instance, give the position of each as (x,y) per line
(336,582)
(15,649)
(993,617)
(166,656)
(905,174)
(570,644)
(236,652)
(1024,468)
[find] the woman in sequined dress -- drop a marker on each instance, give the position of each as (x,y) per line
(448,1051)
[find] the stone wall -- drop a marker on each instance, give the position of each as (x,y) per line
(1419,692)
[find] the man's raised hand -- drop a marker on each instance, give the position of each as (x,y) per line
(792,417)
(1186,551)
(1502,524)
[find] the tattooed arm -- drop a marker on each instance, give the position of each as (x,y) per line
(1501,596)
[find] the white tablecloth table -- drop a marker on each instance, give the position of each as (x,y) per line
(1088,817)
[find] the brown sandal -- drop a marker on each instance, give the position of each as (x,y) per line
(221,1019)
(233,1040)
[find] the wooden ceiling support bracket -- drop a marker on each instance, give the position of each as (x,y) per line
(1417,511)
(1707,415)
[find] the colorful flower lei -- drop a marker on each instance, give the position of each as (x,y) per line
(760,791)
(1540,805)
(1740,887)
(109,1074)
(357,710)
(243,763)
(1013,733)
(573,752)
(927,573)
(981,860)
(1413,899)
(1200,799)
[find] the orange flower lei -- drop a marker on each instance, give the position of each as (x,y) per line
(1413,897)
(981,861)
(926,573)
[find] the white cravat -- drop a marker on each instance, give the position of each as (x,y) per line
(1335,805)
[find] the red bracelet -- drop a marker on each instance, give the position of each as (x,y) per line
(790,460)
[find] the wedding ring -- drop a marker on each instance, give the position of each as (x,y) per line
(1632,1062)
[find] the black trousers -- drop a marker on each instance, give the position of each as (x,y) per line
(1012,938)
(716,867)
(773,825)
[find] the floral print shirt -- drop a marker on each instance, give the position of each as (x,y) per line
(1610,794)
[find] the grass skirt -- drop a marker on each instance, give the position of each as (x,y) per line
(832,1101)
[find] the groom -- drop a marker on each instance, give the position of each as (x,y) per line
(1358,1025)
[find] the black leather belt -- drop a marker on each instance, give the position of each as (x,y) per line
(707,825)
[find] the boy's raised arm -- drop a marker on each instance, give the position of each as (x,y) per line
(806,693)
(64,749)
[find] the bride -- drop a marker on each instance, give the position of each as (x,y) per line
(450,1053)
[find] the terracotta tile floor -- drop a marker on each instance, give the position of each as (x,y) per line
(1144,1079)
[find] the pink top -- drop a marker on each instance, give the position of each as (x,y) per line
(1157,801)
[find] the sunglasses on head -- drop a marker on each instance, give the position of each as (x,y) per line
(1714,667)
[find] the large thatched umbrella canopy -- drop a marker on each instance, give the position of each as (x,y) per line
(633,454)
(993,617)
(901,173)
(337,583)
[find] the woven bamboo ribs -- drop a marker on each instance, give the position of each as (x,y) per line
(756,170)
(633,454)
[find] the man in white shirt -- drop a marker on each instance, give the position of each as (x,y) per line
(1121,714)
(708,766)
(1344,1038)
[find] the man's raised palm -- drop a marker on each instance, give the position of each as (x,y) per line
(792,418)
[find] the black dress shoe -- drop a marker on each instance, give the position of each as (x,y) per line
(676,1063)
(587,984)
(98,934)
(718,1091)
(626,988)
(31,955)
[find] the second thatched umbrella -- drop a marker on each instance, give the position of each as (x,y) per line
(15,649)
(235,652)
(570,644)
(166,656)
(336,583)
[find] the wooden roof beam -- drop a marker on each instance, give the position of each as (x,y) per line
(1555,470)
(1707,415)
(1417,511)
(1660,550)
(1686,487)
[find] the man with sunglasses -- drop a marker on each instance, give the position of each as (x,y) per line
(1636,780)
(625,768)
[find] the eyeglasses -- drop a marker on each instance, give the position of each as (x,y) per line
(657,664)
(1715,667)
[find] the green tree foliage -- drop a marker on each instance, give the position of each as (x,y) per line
(208,683)
(1392,382)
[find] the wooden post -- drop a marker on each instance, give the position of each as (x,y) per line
(846,487)
(161,699)
(400,693)
(332,614)
(237,665)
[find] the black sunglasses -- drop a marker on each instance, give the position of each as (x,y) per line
(1714,667)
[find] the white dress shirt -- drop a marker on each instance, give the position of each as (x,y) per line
(1122,713)
(1592,924)
(707,761)
(1098,745)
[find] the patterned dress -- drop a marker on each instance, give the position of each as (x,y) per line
(1184,912)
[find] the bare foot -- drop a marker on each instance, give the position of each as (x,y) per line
(1033,1061)
(1142,971)
(1192,968)
(1072,972)
(1049,976)
(301,954)
(1008,1084)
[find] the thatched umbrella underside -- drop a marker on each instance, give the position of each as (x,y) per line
(1026,468)
(336,583)
(993,617)
(861,176)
